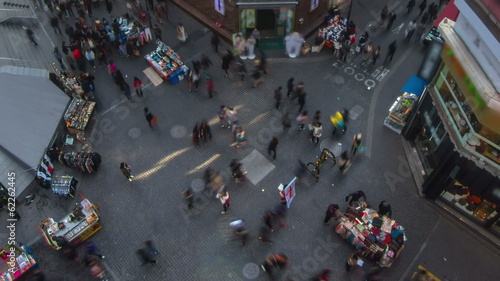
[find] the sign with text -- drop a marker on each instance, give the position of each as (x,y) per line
(219,6)
(290,192)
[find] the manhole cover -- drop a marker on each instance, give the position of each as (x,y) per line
(251,271)
(134,133)
(178,131)
(197,185)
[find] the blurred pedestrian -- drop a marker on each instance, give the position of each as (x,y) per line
(226,61)
(383,15)
(224,199)
(384,209)
(264,235)
(31,35)
(126,90)
(392,50)
(157,31)
(210,88)
(58,56)
(303,120)
(280,211)
(92,249)
(215,41)
(181,33)
(257,77)
(344,162)
(109,6)
(126,171)
(145,257)
(206,132)
(242,70)
(274,261)
(138,86)
(368,50)
(256,36)
(54,23)
(222,116)
(152,120)
(323,276)
(356,143)
(410,5)
(301,100)
(286,122)
(240,137)
(269,219)
(38,275)
(277,97)
(390,19)
(196,134)
(422,7)
(410,29)
(217,184)
(290,85)
(332,212)
(357,196)
(272,147)
(151,247)
(89,54)
(317,116)
(282,194)
(70,253)
(419,31)
(317,132)
(188,195)
(376,54)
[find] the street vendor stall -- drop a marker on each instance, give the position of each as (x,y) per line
(378,238)
(401,108)
(69,82)
(334,31)
(167,63)
(15,261)
(78,115)
(64,186)
(78,226)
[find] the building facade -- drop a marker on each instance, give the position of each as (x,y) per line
(455,128)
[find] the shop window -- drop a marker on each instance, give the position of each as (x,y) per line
(471,204)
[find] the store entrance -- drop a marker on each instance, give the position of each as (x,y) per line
(266,22)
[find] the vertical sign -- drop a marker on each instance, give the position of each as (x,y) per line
(219,6)
(314,4)
(290,192)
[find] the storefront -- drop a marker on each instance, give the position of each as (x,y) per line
(273,19)
(15,261)
(167,63)
(455,131)
(73,229)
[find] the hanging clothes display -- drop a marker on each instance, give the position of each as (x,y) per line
(84,162)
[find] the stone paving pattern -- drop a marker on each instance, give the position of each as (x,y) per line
(194,244)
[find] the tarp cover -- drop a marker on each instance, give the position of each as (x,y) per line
(30,110)
(415,85)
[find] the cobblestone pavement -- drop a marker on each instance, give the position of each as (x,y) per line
(196,244)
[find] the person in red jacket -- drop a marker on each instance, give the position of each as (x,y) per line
(210,87)
(77,55)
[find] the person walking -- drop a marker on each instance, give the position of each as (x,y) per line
(224,199)
(138,86)
(145,256)
(205,130)
(368,50)
(332,212)
(302,119)
(357,196)
(126,90)
(109,6)
(282,195)
(391,18)
(226,60)
(422,7)
(286,122)
(188,195)
(150,246)
(356,143)
(410,29)
(290,86)
(410,5)
(196,134)
(376,54)
(181,33)
(384,209)
(344,162)
(301,100)
(222,113)
(317,116)
(273,261)
(157,31)
(126,171)
(152,120)
(383,15)
(256,36)
(257,77)
(280,211)
(215,41)
(391,51)
(91,249)
(419,30)
(54,23)
(269,219)
(272,147)
(195,80)
(210,88)
(317,131)
(58,56)
(277,97)
(90,56)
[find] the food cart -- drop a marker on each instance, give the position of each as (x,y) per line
(15,261)
(73,229)
(380,239)
(401,108)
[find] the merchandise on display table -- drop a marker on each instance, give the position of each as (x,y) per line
(167,63)
(14,268)
(64,185)
(380,239)
(333,32)
(70,82)
(84,161)
(74,228)
(78,114)
(396,120)
(433,35)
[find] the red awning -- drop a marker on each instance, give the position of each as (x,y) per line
(450,11)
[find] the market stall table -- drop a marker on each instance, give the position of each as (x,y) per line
(64,185)
(78,115)
(13,267)
(167,63)
(74,228)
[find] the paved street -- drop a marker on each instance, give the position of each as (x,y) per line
(195,244)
